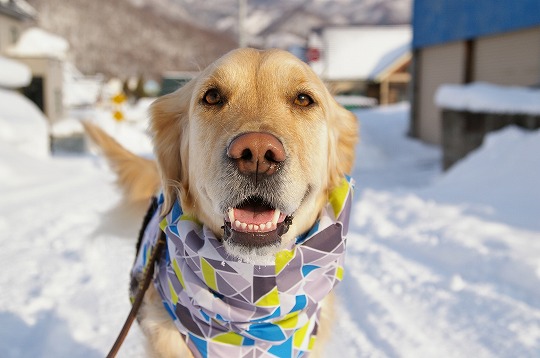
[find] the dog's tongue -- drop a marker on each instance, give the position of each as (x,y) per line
(255,226)
(253,215)
(255,218)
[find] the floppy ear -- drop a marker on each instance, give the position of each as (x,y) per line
(343,136)
(169,126)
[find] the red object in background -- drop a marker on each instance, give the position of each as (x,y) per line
(313,54)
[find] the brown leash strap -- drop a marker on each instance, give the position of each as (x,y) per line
(139,297)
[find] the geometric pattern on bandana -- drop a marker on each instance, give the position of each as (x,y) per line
(228,308)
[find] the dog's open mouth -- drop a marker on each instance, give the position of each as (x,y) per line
(254,222)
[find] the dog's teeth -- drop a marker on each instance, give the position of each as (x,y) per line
(256,227)
(237,223)
(262,227)
(250,227)
(269,225)
(231,215)
(244,225)
(275,218)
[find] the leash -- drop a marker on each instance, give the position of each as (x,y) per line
(139,297)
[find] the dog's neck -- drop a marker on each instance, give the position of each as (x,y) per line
(215,300)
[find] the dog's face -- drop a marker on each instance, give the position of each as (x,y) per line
(252,144)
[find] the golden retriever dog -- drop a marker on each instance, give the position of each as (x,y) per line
(250,149)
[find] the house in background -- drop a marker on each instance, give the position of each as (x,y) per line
(44,53)
(368,60)
(463,41)
(15,16)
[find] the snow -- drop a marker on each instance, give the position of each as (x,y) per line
(489,98)
(503,163)
(22,126)
(438,264)
(80,90)
(14,74)
(36,42)
(131,132)
(356,101)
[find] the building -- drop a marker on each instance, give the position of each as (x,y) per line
(367,60)
(463,41)
(43,53)
(15,16)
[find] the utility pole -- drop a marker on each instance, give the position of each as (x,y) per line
(242,12)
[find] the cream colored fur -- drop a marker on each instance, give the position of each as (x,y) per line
(190,138)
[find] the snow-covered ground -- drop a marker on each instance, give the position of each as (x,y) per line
(438,265)
(442,265)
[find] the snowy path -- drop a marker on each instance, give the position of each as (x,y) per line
(428,274)
(428,279)
(63,286)
(420,287)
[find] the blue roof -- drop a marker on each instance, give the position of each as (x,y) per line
(439,21)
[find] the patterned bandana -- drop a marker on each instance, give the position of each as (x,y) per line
(228,308)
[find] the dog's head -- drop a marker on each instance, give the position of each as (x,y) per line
(251,144)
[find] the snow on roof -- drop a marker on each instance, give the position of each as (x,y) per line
(14,74)
(487,97)
(388,59)
(36,42)
(363,52)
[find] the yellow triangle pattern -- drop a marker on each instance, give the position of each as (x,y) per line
(339,273)
(174,296)
(229,338)
(311,342)
(338,195)
(300,335)
(283,258)
(289,321)
(190,218)
(208,274)
(163,224)
(271,299)
(178,273)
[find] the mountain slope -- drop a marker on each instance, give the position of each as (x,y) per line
(120,38)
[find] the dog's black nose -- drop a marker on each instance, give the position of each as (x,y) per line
(256,153)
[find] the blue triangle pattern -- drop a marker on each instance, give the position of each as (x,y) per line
(306,269)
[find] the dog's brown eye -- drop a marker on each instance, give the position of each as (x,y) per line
(212,97)
(303,100)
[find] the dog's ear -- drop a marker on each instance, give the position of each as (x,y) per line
(169,126)
(343,136)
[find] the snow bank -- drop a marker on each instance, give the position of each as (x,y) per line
(36,42)
(22,125)
(490,98)
(14,74)
(503,176)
